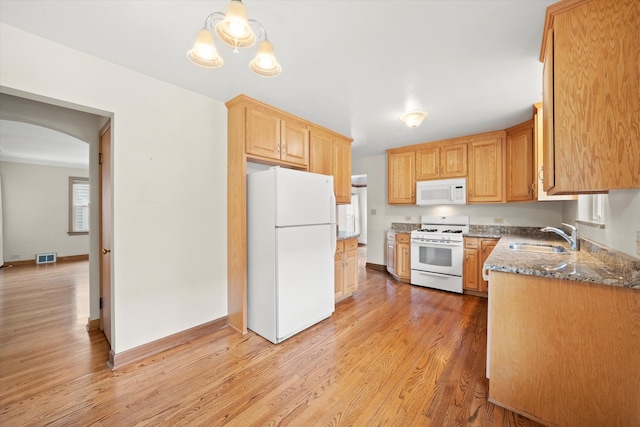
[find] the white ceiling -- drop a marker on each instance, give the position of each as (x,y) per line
(353,66)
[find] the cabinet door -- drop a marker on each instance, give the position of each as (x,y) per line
(402,178)
(295,142)
(263,133)
(320,152)
(403,268)
(486,173)
(548,177)
(453,161)
(342,171)
(486,246)
(338,268)
(470,273)
(428,163)
(391,257)
(350,271)
(520,164)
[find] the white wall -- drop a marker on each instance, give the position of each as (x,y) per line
(621,218)
(537,214)
(36,211)
(169,183)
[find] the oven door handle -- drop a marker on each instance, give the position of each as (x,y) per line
(447,244)
(425,273)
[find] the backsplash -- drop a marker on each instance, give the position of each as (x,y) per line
(618,261)
(499,230)
(405,227)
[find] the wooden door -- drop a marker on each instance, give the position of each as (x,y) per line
(403,267)
(350,271)
(391,257)
(262,133)
(338,275)
(320,152)
(485,180)
(342,171)
(105,231)
(453,161)
(402,178)
(470,273)
(428,163)
(548,150)
(486,246)
(520,164)
(295,142)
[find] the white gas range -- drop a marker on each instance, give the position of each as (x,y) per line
(437,252)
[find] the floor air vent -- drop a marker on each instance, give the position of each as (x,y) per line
(45,258)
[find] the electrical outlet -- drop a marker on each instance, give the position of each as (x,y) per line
(373,211)
(498,220)
(407,218)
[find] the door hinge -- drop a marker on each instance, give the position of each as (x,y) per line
(101,304)
(99,158)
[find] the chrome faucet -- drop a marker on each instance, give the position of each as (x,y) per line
(573,239)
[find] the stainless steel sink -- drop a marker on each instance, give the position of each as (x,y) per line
(537,247)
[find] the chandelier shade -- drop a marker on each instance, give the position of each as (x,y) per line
(265,64)
(234,29)
(204,52)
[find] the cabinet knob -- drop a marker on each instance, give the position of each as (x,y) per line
(277,149)
(284,150)
(105,251)
(540,173)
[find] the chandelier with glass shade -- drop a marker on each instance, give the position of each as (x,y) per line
(234,29)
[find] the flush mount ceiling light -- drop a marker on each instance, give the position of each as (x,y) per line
(234,29)
(414,118)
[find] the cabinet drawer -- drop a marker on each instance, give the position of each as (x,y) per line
(350,244)
(403,237)
(470,242)
(339,246)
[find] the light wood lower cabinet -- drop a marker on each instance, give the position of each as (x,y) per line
(476,252)
(399,255)
(564,352)
(346,268)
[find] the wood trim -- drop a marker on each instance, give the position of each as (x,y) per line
(476,293)
(459,140)
(69,258)
(243,99)
(552,11)
(93,324)
(128,357)
(377,267)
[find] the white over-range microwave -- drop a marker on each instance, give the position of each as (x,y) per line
(441,192)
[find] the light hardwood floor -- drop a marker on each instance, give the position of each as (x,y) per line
(393,354)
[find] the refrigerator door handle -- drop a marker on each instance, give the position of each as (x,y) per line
(332,219)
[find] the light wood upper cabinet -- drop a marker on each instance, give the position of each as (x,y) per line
(272,136)
(485,183)
(590,96)
(331,155)
(342,170)
(437,162)
(520,160)
(401,178)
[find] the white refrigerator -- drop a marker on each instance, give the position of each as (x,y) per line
(291,242)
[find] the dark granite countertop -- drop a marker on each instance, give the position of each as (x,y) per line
(602,266)
(344,235)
